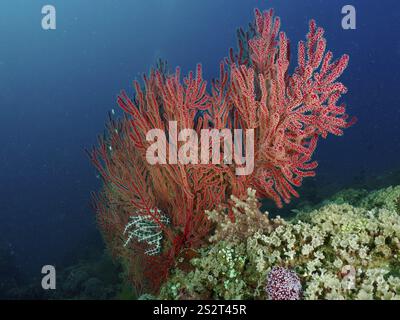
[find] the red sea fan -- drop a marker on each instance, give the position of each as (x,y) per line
(287,113)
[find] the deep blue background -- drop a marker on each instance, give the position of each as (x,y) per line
(56,88)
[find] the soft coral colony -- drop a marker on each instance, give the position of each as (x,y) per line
(153,216)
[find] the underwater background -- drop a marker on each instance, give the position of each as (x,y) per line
(57,87)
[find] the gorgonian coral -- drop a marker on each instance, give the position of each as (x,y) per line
(287,113)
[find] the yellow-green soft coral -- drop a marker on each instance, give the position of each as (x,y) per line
(384,198)
(218,274)
(340,251)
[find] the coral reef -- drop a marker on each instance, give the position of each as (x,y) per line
(288,113)
(340,250)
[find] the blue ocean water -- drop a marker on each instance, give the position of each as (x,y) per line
(57,86)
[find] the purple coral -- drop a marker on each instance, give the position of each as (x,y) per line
(283,284)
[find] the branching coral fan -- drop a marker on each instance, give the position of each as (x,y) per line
(254,91)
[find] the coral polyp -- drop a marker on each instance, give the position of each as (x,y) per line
(283,284)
